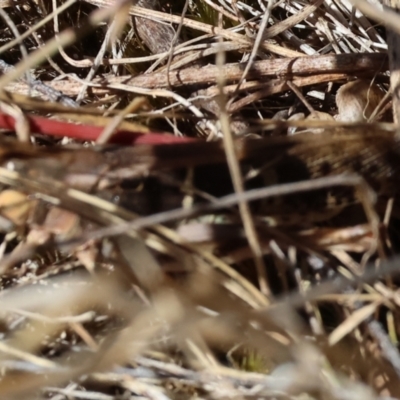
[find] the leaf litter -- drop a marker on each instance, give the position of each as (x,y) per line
(157,270)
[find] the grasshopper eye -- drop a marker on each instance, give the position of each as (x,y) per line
(10,166)
(116,199)
(15,165)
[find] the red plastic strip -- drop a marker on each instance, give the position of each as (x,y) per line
(51,127)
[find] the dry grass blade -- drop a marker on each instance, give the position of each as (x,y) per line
(238,184)
(352,322)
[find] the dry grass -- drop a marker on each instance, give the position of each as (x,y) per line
(125,275)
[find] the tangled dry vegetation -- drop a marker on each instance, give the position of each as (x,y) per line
(125,274)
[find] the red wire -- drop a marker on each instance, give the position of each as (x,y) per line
(52,127)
